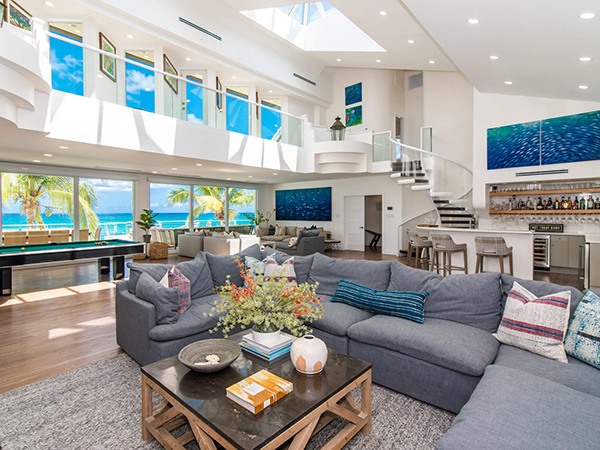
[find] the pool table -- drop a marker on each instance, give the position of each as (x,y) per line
(22,255)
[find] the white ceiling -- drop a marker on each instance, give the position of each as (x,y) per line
(539,43)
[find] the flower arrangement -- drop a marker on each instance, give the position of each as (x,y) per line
(267,304)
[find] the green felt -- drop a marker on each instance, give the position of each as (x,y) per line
(61,245)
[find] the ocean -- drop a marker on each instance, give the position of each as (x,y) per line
(117,224)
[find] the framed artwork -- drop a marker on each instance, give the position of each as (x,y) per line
(108,65)
(354,94)
(18,16)
(354,116)
(219,87)
(304,204)
(170,68)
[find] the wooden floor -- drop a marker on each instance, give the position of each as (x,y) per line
(63,317)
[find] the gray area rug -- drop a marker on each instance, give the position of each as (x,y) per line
(97,407)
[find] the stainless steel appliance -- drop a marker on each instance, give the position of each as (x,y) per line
(589,265)
(541,251)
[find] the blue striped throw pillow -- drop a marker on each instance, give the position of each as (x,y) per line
(407,305)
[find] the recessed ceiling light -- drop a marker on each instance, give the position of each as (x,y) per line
(229,178)
(174,168)
(36,160)
(587,15)
(99,75)
(270,91)
(199,165)
(233,76)
(250,176)
(48,154)
(130,36)
(50,4)
(584,87)
(585,58)
(410,41)
(508,82)
(77,31)
(383,13)
(339,60)
(154,171)
(377,60)
(494,57)
(188,59)
(432,62)
(63,147)
(274,173)
(473,21)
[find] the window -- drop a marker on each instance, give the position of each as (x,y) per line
(140,81)
(66,59)
(242,204)
(111,202)
(36,202)
(238,111)
(270,126)
(194,100)
(209,207)
(171,202)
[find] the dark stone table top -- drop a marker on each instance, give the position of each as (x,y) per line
(204,394)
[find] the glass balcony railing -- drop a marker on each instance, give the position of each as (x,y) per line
(134,82)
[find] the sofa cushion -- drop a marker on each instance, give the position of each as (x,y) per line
(223,265)
(303,233)
(193,321)
(576,375)
(408,305)
(329,271)
(583,335)
(514,410)
(164,299)
(302,264)
(291,231)
(540,289)
(338,317)
(462,348)
(278,271)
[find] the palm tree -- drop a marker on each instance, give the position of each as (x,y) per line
(50,194)
(211,199)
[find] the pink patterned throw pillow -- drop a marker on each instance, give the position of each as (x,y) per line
(285,270)
(536,324)
(175,279)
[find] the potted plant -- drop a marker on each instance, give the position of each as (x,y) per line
(258,218)
(146,222)
(266,304)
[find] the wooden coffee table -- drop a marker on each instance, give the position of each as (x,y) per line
(199,400)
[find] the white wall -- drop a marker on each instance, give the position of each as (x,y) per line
(494,110)
(380,98)
(372,185)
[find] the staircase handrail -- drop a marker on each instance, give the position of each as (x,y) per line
(160,72)
(420,150)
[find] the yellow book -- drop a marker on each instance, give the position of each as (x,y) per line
(258,391)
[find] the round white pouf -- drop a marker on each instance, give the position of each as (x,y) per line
(309,354)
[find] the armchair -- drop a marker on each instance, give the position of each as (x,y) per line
(306,246)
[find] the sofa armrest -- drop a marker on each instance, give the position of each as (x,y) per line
(135,318)
(311,244)
(248,241)
(220,246)
(190,245)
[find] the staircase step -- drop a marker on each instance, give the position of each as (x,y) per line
(406,181)
(441,194)
(458,222)
(422,187)
(441,201)
(456,215)
(451,208)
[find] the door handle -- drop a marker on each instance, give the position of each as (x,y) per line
(581,269)
(362,228)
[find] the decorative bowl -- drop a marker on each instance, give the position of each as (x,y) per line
(194,356)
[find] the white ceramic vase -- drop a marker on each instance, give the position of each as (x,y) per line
(266,338)
(309,354)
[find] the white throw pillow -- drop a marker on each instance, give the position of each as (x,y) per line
(279,231)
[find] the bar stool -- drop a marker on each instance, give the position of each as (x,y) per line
(443,243)
(492,247)
(421,245)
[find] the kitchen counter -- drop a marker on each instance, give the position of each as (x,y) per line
(520,241)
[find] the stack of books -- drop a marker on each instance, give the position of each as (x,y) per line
(258,391)
(268,352)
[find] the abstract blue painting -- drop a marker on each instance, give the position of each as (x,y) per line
(571,138)
(513,146)
(303,204)
(353,94)
(354,116)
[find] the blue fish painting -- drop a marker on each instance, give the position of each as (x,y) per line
(303,204)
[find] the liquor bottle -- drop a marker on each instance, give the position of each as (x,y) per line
(563,203)
(582,203)
(576,203)
(597,204)
(590,203)
(556,204)
(540,204)
(569,203)
(510,204)
(529,204)
(549,204)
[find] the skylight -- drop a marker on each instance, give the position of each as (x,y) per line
(314,27)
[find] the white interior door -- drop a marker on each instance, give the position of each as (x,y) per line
(354,221)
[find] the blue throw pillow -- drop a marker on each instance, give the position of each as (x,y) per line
(271,230)
(406,305)
(583,336)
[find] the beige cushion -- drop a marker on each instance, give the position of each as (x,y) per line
(323,233)
(291,231)
(279,231)
(262,231)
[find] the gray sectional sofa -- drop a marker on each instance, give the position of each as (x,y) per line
(507,398)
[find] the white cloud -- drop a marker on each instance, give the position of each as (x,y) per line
(137,82)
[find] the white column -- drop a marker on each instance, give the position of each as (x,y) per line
(76,210)
(191,207)
(226,209)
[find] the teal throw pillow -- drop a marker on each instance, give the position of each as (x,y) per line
(406,305)
(583,336)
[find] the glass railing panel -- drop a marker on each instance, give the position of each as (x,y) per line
(382,147)
(292,130)
(270,123)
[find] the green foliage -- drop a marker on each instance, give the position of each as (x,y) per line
(266,305)
(146,220)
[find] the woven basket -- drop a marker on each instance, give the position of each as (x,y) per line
(159,250)
(138,256)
